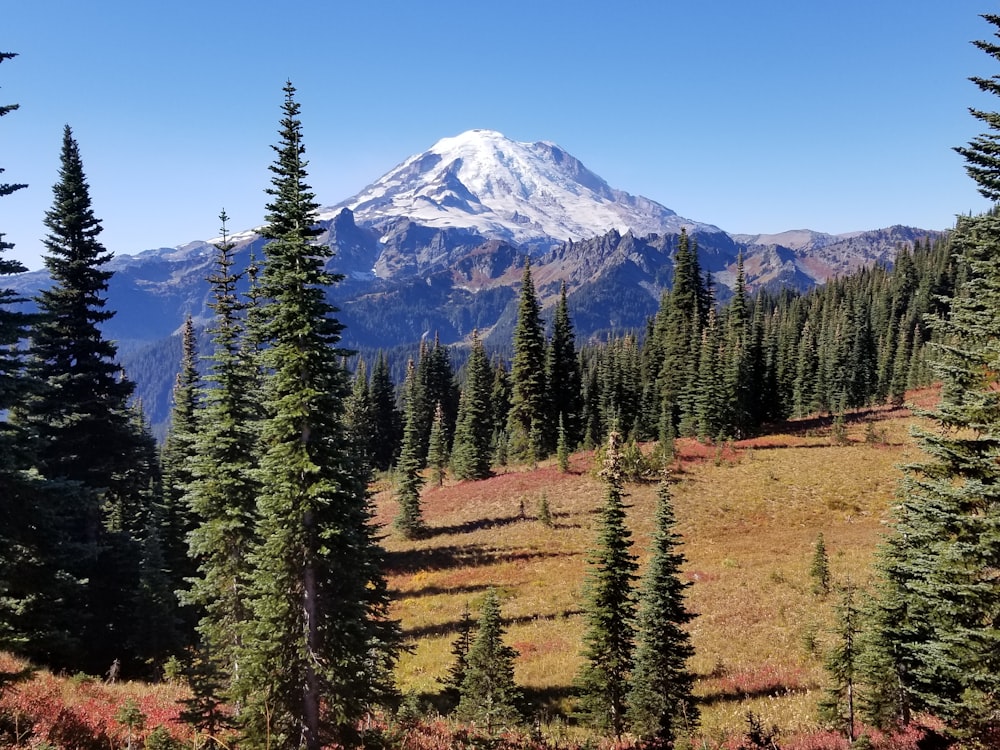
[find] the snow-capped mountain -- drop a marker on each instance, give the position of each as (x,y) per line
(527,193)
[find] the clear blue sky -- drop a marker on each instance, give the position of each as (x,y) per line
(754,116)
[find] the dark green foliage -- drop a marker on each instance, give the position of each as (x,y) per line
(677,339)
(489,694)
(982,155)
(83,432)
(205,709)
(819,568)
(562,374)
(437,448)
(938,597)
(528,411)
(223,490)
(409,520)
(603,683)
(936,618)
(177,460)
(452,682)
(436,380)
(562,446)
(25,571)
(500,396)
(387,426)
(470,456)
(837,707)
(660,701)
(544,511)
(758,736)
(359,415)
(318,649)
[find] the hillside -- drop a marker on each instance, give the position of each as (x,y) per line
(749,513)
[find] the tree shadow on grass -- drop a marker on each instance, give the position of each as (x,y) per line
(549,703)
(477,525)
(454,626)
(771,691)
(472,588)
(455,556)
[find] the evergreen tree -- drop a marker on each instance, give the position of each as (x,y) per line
(470,455)
(661,701)
(842,666)
(359,415)
(678,337)
(177,462)
(562,374)
(437,449)
(500,395)
(940,569)
(81,425)
(223,491)
(526,418)
(318,648)
(562,446)
(452,682)
(387,427)
(489,693)
(819,568)
(609,609)
(409,520)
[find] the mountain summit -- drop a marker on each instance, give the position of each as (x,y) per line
(526,193)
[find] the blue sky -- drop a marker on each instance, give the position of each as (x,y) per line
(754,116)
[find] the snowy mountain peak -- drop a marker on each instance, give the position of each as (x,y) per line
(523,192)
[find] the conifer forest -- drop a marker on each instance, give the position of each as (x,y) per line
(254,561)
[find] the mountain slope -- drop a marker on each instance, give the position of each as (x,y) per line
(527,193)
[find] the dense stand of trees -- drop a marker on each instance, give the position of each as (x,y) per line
(247,542)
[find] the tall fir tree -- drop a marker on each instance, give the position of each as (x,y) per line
(603,682)
(939,580)
(452,682)
(224,486)
(359,415)
(437,447)
(470,455)
(661,700)
(409,519)
(81,425)
(177,462)
(387,427)
(319,647)
(527,415)
(678,333)
(841,663)
(562,375)
(489,694)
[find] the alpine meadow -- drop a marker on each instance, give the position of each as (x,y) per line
(493,455)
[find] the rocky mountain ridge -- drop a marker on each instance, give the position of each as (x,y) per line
(437,246)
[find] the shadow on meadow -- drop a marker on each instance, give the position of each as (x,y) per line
(456,556)
(478,524)
(455,626)
(471,588)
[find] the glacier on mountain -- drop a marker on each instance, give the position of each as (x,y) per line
(527,193)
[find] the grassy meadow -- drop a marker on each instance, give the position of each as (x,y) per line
(749,513)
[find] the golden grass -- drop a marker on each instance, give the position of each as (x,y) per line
(749,515)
